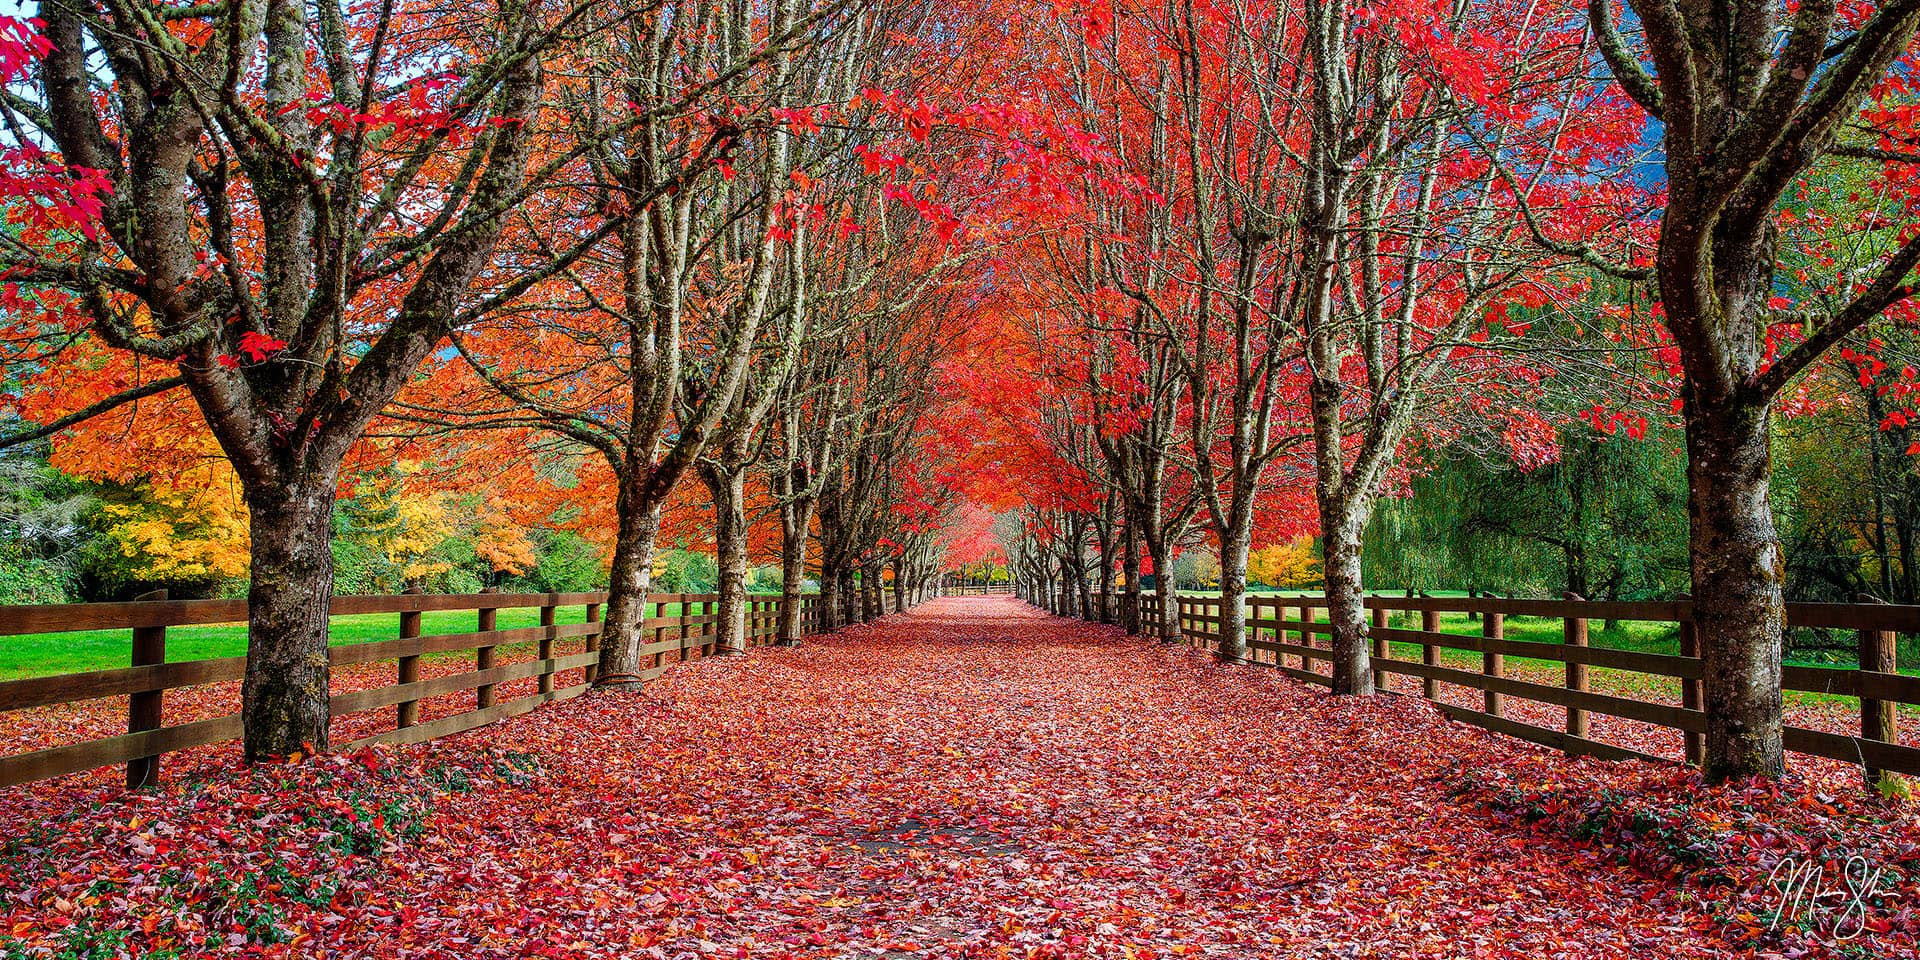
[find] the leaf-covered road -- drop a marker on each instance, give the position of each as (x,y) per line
(976,779)
(973,779)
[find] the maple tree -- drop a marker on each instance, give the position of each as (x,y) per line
(192,527)
(718,290)
(645,351)
(845,423)
(1752,99)
(1290,564)
(1278,232)
(285,205)
(1418,278)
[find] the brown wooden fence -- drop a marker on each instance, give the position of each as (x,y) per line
(558,658)
(977,589)
(1291,634)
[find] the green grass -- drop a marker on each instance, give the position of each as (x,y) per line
(1638,636)
(42,654)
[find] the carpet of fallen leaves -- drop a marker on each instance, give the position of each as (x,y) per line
(973,779)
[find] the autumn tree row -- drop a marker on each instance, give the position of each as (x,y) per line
(1297,244)
(614,249)
(1226,271)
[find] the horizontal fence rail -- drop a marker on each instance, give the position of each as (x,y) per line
(499,673)
(1291,634)
(976,589)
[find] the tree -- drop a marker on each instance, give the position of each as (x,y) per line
(640,354)
(286,206)
(1417,286)
(189,529)
(1289,564)
(1101,270)
(1751,97)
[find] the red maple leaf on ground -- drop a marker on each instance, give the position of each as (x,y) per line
(971,780)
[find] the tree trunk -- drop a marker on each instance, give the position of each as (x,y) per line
(284,700)
(1739,612)
(899,588)
(1233,591)
(1346,604)
(728,492)
(850,600)
(1087,611)
(1106,580)
(829,619)
(1575,554)
(1130,568)
(794,518)
(1167,614)
(629,582)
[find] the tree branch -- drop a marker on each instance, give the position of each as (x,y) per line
(89,412)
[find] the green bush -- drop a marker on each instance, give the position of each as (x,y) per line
(567,563)
(29,579)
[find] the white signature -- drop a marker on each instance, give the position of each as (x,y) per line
(1806,892)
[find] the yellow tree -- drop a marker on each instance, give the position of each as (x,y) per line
(1290,564)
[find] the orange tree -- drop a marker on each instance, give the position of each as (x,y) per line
(278,209)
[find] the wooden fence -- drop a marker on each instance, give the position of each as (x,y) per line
(976,589)
(1291,634)
(559,658)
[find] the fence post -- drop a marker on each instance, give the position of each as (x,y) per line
(484,657)
(1254,654)
(709,631)
(686,627)
(1878,718)
(408,711)
(1430,652)
(1306,636)
(1279,632)
(1575,631)
(593,642)
(1379,643)
(146,710)
(546,646)
(1494,628)
(1690,687)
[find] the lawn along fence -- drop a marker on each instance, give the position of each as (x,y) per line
(1290,634)
(559,659)
(976,590)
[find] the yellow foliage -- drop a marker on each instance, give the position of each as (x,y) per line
(503,543)
(419,525)
(190,526)
(1285,564)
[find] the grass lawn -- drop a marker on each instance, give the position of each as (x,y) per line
(41,654)
(1641,636)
